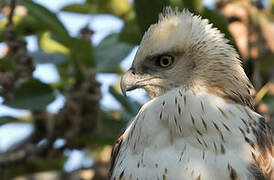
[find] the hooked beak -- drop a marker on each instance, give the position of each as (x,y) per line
(128,81)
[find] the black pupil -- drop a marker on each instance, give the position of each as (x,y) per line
(165,61)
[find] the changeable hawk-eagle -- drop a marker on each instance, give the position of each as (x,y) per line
(199,123)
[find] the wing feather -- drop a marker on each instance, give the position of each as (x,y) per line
(114,154)
(264,162)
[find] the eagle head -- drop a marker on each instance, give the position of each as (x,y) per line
(184,50)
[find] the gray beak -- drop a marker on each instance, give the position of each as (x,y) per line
(128,81)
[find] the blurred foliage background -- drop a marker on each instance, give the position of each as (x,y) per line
(82,123)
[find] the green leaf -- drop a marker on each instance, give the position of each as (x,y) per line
(100,139)
(272,6)
(7,119)
(110,52)
(6,64)
(131,33)
(112,125)
(47,18)
(82,51)
(84,8)
(122,99)
(32,95)
(268,100)
(49,163)
(176,3)
(194,6)
(41,57)
(26,25)
(130,106)
(147,13)
(266,61)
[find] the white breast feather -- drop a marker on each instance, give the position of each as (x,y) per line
(186,135)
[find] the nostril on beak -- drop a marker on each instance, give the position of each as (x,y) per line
(132,71)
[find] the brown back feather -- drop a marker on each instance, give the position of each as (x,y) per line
(263,163)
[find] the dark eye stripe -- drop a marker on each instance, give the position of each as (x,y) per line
(151,63)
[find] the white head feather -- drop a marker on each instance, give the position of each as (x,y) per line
(202,57)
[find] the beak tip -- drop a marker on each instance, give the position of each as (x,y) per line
(122,86)
(128,82)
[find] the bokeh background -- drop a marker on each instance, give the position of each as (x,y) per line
(60,103)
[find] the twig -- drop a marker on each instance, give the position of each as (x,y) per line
(262,92)
(10,16)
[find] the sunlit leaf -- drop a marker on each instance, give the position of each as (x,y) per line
(79,50)
(272,6)
(32,95)
(110,52)
(48,44)
(118,8)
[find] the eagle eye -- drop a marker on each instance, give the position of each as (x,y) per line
(165,61)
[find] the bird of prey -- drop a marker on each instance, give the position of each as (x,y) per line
(199,123)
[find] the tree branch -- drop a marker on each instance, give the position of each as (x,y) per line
(28,151)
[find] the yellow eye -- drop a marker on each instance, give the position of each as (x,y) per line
(165,61)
